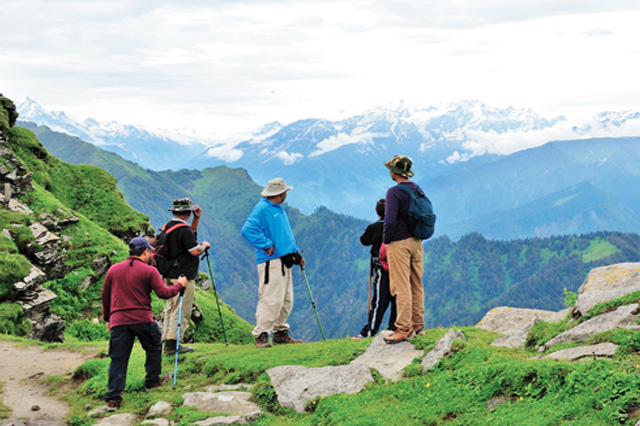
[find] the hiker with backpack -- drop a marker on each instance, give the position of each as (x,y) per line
(379,295)
(178,254)
(268,230)
(408,220)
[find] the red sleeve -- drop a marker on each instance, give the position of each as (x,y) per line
(157,284)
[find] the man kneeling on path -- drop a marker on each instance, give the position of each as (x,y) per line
(126,307)
(268,230)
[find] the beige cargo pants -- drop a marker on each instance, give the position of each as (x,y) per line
(275,297)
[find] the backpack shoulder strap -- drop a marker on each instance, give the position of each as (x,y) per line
(174,227)
(410,191)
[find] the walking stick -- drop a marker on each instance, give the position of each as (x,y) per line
(313,303)
(370,273)
(175,368)
(215,292)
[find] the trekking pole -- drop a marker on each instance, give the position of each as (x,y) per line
(175,368)
(370,282)
(313,303)
(215,292)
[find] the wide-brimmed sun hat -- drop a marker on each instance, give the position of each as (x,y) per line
(181,205)
(400,164)
(275,187)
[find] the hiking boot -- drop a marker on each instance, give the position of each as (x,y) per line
(161,381)
(170,348)
(282,337)
(358,337)
(113,405)
(399,336)
(262,341)
(418,330)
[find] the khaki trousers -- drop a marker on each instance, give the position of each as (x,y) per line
(170,325)
(405,281)
(275,298)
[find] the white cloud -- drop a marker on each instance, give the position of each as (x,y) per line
(511,141)
(223,67)
(289,159)
(342,139)
(224,152)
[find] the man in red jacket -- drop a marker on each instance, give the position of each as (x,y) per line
(126,307)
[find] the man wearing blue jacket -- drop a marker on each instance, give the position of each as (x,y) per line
(268,230)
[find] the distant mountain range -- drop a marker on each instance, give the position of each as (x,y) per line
(463,158)
(464,278)
(150,150)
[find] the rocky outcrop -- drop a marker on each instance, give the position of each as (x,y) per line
(235,403)
(296,385)
(580,353)
(14,178)
(121,419)
(515,323)
(505,320)
(605,284)
(623,317)
(48,251)
(35,300)
(45,253)
(442,349)
(388,360)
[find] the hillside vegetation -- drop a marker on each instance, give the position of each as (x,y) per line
(90,221)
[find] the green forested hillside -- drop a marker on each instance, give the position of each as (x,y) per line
(465,279)
(462,279)
(88,222)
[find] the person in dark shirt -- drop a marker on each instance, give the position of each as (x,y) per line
(379,279)
(126,308)
(404,253)
(184,248)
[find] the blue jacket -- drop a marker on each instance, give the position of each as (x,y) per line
(268,225)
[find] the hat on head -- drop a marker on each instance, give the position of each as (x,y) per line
(181,205)
(139,243)
(275,187)
(400,164)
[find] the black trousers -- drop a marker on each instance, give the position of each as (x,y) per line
(380,301)
(120,346)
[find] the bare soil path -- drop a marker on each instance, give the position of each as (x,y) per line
(22,368)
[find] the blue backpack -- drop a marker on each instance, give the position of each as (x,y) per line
(420,217)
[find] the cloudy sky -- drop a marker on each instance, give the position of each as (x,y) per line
(225,67)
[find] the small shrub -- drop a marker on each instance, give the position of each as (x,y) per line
(11,320)
(265,396)
(88,331)
(543,331)
(570,298)
(91,368)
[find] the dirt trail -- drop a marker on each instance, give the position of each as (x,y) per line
(21,371)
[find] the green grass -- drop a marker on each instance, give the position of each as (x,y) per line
(455,392)
(598,249)
(4,410)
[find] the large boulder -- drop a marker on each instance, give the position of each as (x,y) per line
(505,320)
(295,385)
(605,284)
(231,402)
(388,360)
